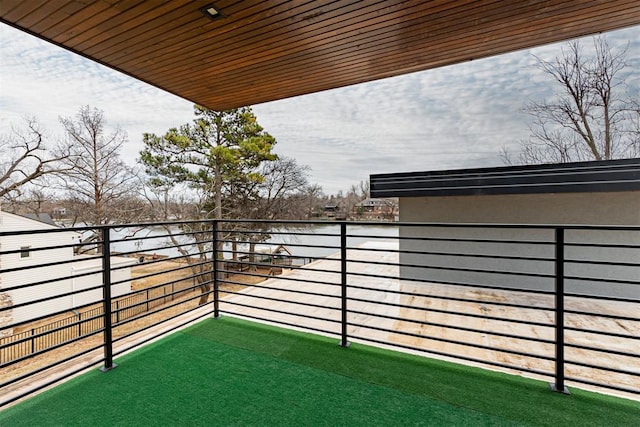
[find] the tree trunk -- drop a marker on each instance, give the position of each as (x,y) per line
(252,256)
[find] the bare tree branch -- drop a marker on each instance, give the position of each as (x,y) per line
(95,176)
(591,117)
(27,159)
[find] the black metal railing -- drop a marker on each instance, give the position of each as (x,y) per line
(559,303)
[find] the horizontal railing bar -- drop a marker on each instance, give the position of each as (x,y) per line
(435,267)
(292,291)
(602,315)
(257,254)
(160,308)
(47,281)
(602,350)
(304,304)
(188,278)
(456,254)
(42,248)
(45,332)
(399,224)
(602,368)
(146,340)
(35,319)
(41,386)
(593,331)
(455,313)
(280,322)
(288,313)
(240,252)
(188,255)
(66,294)
(459,328)
(158,236)
(160,223)
(448,239)
(49,264)
(293,245)
(277,233)
(294,279)
(48,349)
(50,230)
(440,224)
(453,356)
(603,245)
(452,341)
(288,267)
(448,298)
(461,284)
(179,258)
(154,299)
(602,280)
(172,270)
(592,262)
(603,385)
(475,240)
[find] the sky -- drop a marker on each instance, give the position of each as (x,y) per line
(453,117)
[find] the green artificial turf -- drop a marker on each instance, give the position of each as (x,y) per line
(233,372)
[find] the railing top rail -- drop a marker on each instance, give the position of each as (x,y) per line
(610,227)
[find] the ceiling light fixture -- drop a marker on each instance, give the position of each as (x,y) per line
(211,12)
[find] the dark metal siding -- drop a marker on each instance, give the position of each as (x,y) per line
(597,176)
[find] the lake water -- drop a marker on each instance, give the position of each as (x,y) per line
(318,240)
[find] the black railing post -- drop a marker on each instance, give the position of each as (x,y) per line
(216,288)
(559,386)
(344,342)
(106,295)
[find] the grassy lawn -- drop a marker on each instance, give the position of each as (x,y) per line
(234,372)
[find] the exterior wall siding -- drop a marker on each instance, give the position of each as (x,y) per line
(63,272)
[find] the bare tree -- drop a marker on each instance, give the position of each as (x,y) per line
(274,196)
(26,160)
(96,178)
(591,117)
(310,201)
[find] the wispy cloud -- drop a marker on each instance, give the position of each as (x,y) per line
(453,117)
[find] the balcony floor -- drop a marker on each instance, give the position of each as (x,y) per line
(234,372)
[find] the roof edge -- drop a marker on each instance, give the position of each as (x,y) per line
(576,177)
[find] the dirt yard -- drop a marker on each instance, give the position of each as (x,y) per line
(163,272)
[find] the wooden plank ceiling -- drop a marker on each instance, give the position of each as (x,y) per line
(266,50)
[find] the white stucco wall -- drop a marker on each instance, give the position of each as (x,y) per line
(621,208)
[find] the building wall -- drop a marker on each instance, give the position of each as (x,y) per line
(118,274)
(10,222)
(615,208)
(84,274)
(621,208)
(64,272)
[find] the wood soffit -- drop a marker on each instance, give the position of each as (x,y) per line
(262,51)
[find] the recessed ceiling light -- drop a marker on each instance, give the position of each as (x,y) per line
(211,11)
